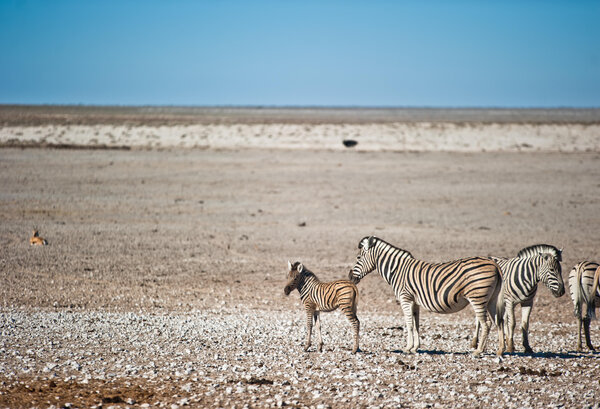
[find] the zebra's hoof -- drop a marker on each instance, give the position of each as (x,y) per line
(528,351)
(499,352)
(320,348)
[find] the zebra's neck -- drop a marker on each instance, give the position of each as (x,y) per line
(306,285)
(389,259)
(524,275)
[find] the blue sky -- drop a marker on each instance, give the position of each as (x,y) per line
(317,53)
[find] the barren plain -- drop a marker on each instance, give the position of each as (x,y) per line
(162,283)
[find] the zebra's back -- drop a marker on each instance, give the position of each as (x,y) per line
(447,287)
(329,296)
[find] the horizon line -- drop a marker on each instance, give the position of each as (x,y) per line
(289,106)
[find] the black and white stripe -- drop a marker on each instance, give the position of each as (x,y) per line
(439,287)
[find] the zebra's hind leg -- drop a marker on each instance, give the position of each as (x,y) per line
(525,311)
(586,328)
(481,315)
(475,339)
(415,316)
(580,324)
(318,328)
(351,315)
(495,318)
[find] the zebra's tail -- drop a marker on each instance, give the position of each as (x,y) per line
(500,307)
(577,291)
(592,303)
(355,300)
(497,298)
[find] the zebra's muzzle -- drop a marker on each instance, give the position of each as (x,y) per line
(353,278)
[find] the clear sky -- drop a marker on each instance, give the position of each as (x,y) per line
(317,53)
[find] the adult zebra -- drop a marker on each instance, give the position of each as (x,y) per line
(583,283)
(520,277)
(441,287)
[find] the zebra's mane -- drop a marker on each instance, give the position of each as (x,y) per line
(406,252)
(305,271)
(540,248)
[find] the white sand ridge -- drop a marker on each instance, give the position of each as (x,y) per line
(400,136)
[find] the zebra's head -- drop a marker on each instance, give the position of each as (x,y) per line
(550,273)
(294,274)
(365,260)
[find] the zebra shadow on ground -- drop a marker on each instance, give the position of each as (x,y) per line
(551,355)
(430,352)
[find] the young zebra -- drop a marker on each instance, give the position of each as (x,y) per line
(318,296)
(583,283)
(520,277)
(443,287)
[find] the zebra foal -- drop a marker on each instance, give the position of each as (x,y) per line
(441,287)
(583,283)
(317,296)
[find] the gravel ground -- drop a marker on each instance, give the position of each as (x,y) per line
(232,358)
(162,284)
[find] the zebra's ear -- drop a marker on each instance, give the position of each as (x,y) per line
(364,243)
(372,241)
(289,266)
(300,267)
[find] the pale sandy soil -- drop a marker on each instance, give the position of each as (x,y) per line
(376,129)
(162,283)
(424,136)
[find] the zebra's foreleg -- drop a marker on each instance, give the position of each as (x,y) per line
(318,328)
(510,318)
(525,311)
(309,324)
(407,309)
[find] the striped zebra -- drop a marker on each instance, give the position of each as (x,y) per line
(520,278)
(442,287)
(583,283)
(318,296)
